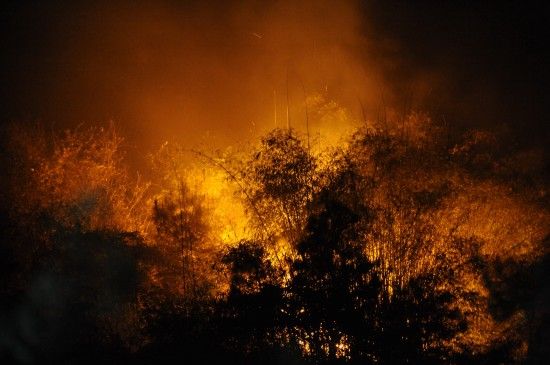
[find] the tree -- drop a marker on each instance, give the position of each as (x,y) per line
(333,292)
(78,177)
(182,234)
(183,222)
(251,316)
(279,180)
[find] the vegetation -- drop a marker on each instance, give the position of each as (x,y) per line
(403,244)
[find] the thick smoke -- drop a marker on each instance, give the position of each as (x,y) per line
(186,70)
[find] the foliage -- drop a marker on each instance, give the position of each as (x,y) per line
(182,235)
(279,181)
(181,218)
(78,177)
(403,245)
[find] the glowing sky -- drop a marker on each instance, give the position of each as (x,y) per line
(215,70)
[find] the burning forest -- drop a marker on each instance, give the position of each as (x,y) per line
(272,183)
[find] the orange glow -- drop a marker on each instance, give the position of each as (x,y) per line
(270,162)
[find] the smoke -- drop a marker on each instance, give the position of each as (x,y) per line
(220,71)
(480,65)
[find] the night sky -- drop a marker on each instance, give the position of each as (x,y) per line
(179,70)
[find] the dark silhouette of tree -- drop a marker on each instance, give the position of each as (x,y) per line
(251,317)
(181,232)
(417,322)
(80,303)
(340,311)
(333,291)
(279,179)
(400,246)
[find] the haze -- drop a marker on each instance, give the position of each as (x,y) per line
(217,71)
